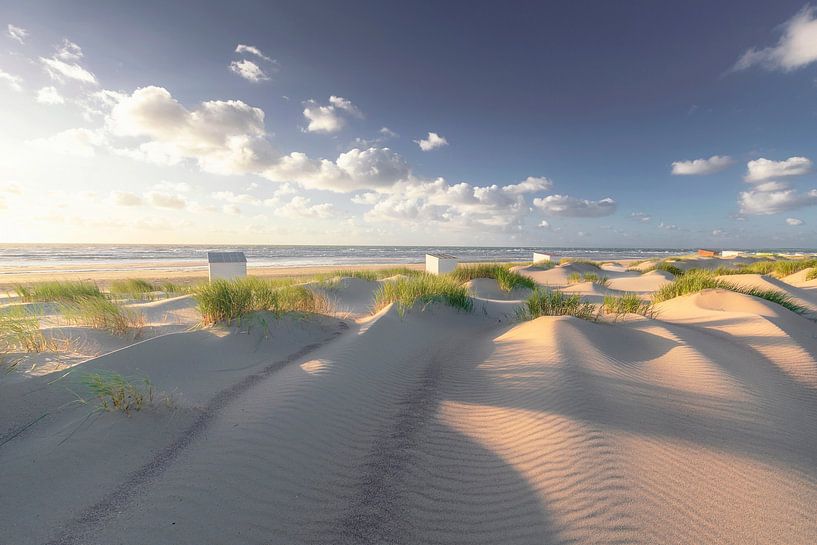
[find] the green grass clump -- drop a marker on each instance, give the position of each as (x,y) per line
(545,302)
(629,303)
(227,300)
(575,278)
(132,288)
(423,288)
(777,269)
(696,280)
(116,392)
(812,274)
(579,261)
(20,332)
(100,313)
(505,278)
(663,266)
(57,291)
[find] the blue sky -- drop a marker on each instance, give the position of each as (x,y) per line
(308,122)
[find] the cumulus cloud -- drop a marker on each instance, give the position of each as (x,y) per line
(126,198)
(331,117)
(64,64)
(80,142)
(223,137)
(756,202)
(236,198)
(15,82)
(165,200)
(564,205)
(353,170)
(16,33)
(763,169)
(640,217)
(302,207)
(432,141)
(388,133)
(249,71)
(252,50)
(531,184)
(796,48)
(699,167)
(794,221)
(49,95)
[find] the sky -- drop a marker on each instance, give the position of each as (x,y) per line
(599,124)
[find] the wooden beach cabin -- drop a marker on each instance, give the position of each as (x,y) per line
(703,252)
(226,265)
(538,256)
(440,263)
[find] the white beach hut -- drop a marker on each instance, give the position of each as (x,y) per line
(538,256)
(730,253)
(440,263)
(226,265)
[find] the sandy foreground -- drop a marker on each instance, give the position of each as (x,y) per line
(696,426)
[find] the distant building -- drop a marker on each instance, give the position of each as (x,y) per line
(440,263)
(730,253)
(537,257)
(226,265)
(707,253)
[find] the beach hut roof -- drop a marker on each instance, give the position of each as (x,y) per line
(226,257)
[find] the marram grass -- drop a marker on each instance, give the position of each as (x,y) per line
(227,300)
(812,274)
(546,302)
(56,291)
(423,288)
(116,392)
(20,331)
(629,303)
(100,313)
(506,279)
(132,288)
(696,280)
(576,277)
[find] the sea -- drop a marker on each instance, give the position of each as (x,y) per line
(86,257)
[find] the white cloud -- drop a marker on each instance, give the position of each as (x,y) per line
(64,64)
(177,187)
(302,207)
(388,133)
(354,169)
(236,198)
(668,226)
(241,48)
(13,81)
(232,209)
(249,70)
(223,137)
(331,117)
(69,51)
(564,205)
(698,167)
(531,184)
(794,221)
(764,169)
(16,33)
(544,224)
(49,95)
(771,202)
(165,200)
(126,198)
(80,142)
(640,217)
(796,48)
(432,141)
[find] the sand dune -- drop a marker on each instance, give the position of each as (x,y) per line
(436,427)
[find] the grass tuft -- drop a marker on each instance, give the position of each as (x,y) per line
(696,280)
(812,274)
(505,278)
(579,261)
(57,291)
(20,332)
(575,278)
(132,288)
(100,313)
(629,303)
(116,392)
(545,302)
(227,300)
(423,288)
